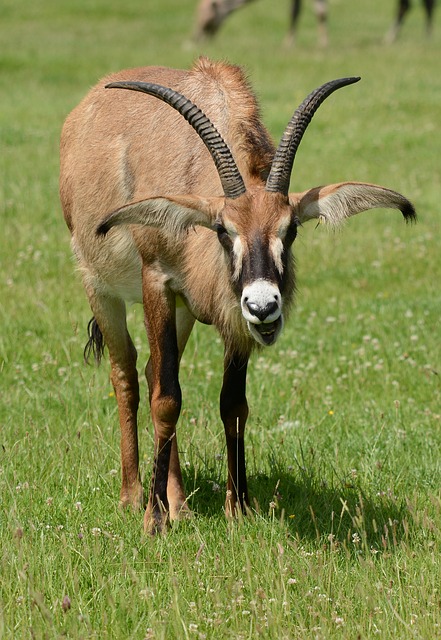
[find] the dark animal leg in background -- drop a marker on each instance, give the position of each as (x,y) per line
(404,7)
(321,13)
(296,7)
(392,34)
(430,8)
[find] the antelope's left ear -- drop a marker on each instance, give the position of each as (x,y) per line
(334,203)
(173,214)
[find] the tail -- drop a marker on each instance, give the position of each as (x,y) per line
(95,344)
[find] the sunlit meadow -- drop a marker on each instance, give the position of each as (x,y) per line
(343,441)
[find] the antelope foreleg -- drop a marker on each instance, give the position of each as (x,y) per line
(175,487)
(234,413)
(165,395)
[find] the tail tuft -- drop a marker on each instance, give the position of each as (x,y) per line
(409,212)
(95,344)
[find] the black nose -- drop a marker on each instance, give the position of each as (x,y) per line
(262,312)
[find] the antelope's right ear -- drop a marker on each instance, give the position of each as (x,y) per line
(335,203)
(173,214)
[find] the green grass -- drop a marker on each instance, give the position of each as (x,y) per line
(343,441)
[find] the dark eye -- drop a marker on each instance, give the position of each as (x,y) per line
(219,228)
(291,232)
(222,235)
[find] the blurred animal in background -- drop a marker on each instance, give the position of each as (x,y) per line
(211,14)
(403,8)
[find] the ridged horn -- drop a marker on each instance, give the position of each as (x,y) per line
(281,167)
(231,180)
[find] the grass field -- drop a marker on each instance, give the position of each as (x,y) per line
(344,436)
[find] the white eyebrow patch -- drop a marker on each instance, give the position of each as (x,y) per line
(238,256)
(276,244)
(231,230)
(276,248)
(283,227)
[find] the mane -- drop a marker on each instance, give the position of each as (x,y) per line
(238,114)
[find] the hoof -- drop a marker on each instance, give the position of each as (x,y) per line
(133,497)
(156,521)
(180,512)
(234,508)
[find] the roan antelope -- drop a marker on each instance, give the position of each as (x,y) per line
(155,219)
(211,14)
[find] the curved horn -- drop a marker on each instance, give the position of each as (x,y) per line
(232,182)
(281,167)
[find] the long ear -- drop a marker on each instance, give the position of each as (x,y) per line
(173,214)
(336,202)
